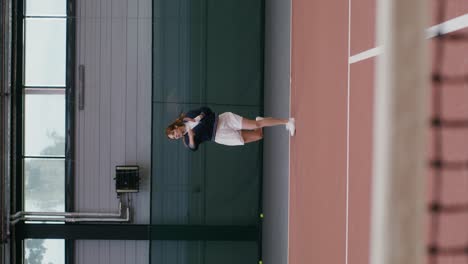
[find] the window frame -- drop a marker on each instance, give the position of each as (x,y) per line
(18,84)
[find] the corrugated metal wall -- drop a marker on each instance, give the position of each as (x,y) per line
(114,45)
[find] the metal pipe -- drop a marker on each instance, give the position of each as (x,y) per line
(69,214)
(76,219)
(72,214)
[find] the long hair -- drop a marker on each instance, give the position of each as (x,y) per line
(174,125)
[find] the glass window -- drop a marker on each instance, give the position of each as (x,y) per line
(38,251)
(44,122)
(46,8)
(44,184)
(45,53)
(44,80)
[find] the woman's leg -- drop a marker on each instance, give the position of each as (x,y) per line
(251,136)
(265,122)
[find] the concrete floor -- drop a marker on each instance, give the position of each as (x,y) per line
(276,143)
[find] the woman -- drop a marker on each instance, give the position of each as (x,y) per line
(200,125)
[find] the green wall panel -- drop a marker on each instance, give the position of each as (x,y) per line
(175,51)
(206,52)
(235,52)
(233,177)
(203,252)
(216,185)
(178,174)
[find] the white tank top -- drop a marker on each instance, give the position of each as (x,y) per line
(191,125)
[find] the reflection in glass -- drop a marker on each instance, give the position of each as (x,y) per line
(44,185)
(45,52)
(45,7)
(37,251)
(44,123)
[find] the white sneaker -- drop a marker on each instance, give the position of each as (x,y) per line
(291,126)
(258,118)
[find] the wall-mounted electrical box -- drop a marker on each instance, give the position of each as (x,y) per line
(127,178)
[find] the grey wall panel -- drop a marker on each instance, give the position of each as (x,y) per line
(276,144)
(115,126)
(114,44)
(111,252)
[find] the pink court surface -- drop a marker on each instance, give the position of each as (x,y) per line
(333,57)
(332,151)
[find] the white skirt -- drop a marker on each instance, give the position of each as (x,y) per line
(228,131)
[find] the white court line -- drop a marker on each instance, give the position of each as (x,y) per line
(347,135)
(289,138)
(448,26)
(365,55)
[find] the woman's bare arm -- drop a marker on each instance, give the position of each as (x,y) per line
(191,138)
(196,119)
